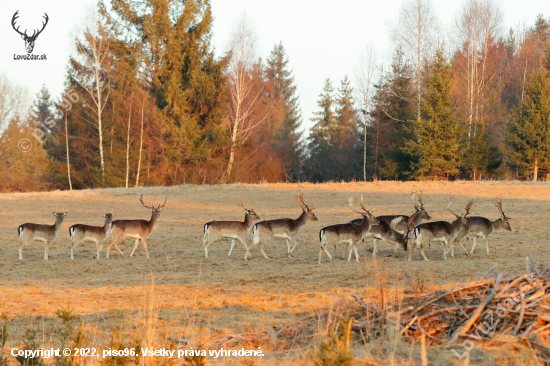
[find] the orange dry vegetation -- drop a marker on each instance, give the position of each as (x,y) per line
(192,295)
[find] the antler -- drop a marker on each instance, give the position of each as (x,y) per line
(499,206)
(350,203)
(420,198)
(149,207)
(362,204)
(15,16)
(160,207)
(242,205)
(448,208)
(35,33)
(300,200)
(468,207)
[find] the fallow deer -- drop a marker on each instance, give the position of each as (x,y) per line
(233,230)
(481,227)
(263,231)
(94,234)
(44,233)
(442,231)
(136,229)
(349,233)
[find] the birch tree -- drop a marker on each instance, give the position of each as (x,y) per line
(415,32)
(245,95)
(364,76)
(89,70)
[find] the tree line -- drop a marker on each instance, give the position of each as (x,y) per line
(155,105)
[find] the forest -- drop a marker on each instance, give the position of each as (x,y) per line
(148,101)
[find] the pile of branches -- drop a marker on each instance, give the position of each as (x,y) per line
(517,306)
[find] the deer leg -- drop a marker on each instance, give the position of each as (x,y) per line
(350,251)
(261,246)
(356,255)
(135,247)
(422,251)
(21,251)
(288,247)
(374,247)
(487,243)
(244,244)
(117,248)
(413,247)
(445,247)
(207,244)
(473,245)
(462,246)
(231,249)
(255,241)
(295,243)
(99,246)
(144,241)
(46,250)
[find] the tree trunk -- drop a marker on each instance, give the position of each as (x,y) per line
(67,147)
(140,147)
(536,172)
(128,147)
(100,130)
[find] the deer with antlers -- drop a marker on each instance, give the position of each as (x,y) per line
(233,230)
(481,227)
(349,233)
(44,233)
(287,229)
(136,229)
(94,234)
(29,40)
(385,231)
(441,231)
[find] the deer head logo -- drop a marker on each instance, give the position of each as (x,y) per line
(29,40)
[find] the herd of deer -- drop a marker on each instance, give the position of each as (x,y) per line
(393,228)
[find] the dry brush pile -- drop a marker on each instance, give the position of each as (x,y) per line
(491,312)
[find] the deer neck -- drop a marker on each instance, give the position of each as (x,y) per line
(154,222)
(416,218)
(498,224)
(248,221)
(301,221)
(108,227)
(57,227)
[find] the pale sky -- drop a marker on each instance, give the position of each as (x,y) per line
(322,38)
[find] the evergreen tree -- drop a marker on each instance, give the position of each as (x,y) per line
(477,156)
(286,141)
(529,134)
(436,142)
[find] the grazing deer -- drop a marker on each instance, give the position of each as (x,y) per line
(44,233)
(136,229)
(214,230)
(442,231)
(349,233)
(481,227)
(95,234)
(282,228)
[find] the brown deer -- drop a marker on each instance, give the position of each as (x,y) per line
(94,234)
(442,231)
(44,233)
(233,230)
(349,233)
(481,227)
(287,229)
(136,229)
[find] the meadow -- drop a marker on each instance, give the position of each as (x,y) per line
(283,305)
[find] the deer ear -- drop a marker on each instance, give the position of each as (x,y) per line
(23,36)
(54,213)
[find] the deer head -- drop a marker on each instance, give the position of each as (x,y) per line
(365,213)
(305,208)
(29,40)
(503,217)
(249,211)
(154,210)
(421,209)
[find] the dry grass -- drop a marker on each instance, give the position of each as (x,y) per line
(285,305)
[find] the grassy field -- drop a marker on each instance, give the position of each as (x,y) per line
(178,294)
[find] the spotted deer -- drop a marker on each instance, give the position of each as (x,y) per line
(233,230)
(94,234)
(441,231)
(287,229)
(136,229)
(349,233)
(481,227)
(44,233)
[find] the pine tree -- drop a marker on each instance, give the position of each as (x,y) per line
(436,142)
(529,135)
(286,141)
